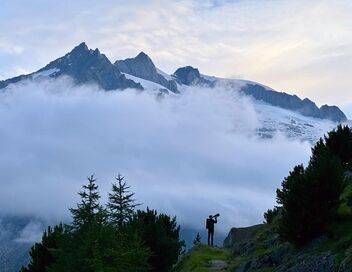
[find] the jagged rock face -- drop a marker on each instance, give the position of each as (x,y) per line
(292,102)
(90,66)
(240,240)
(143,67)
(187,75)
(84,66)
(332,113)
(190,76)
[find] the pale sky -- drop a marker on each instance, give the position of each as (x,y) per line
(300,47)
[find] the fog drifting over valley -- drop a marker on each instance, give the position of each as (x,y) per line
(189,155)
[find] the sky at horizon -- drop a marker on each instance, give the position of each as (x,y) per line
(300,47)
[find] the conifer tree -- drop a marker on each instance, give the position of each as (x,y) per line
(339,143)
(160,233)
(41,253)
(197,240)
(310,196)
(121,203)
(89,209)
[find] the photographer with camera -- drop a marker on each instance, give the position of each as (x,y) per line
(210,227)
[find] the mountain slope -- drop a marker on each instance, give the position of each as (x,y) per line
(292,102)
(143,67)
(191,76)
(84,65)
(259,248)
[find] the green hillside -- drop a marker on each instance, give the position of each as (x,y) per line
(259,248)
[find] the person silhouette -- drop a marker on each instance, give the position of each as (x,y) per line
(211,220)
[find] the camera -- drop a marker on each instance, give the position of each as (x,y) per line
(216,215)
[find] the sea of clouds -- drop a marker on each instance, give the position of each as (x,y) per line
(189,155)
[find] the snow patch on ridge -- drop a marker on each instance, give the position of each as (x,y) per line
(148,85)
(45,73)
(165,75)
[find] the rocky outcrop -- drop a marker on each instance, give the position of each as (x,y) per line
(260,247)
(332,113)
(190,76)
(292,102)
(241,240)
(143,67)
(83,65)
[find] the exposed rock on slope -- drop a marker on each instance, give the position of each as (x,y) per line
(190,76)
(143,67)
(259,247)
(83,65)
(292,102)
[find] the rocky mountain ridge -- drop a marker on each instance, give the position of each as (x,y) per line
(143,67)
(85,65)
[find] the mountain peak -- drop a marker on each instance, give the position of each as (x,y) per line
(85,65)
(143,67)
(189,75)
(142,55)
(333,113)
(82,47)
(144,59)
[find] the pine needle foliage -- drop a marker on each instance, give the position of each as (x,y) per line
(121,203)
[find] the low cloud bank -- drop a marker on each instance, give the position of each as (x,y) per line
(190,155)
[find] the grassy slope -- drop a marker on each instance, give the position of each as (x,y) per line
(198,259)
(339,243)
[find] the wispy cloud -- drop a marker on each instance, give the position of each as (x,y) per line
(31,233)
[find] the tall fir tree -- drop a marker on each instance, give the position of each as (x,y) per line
(89,209)
(147,242)
(121,203)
